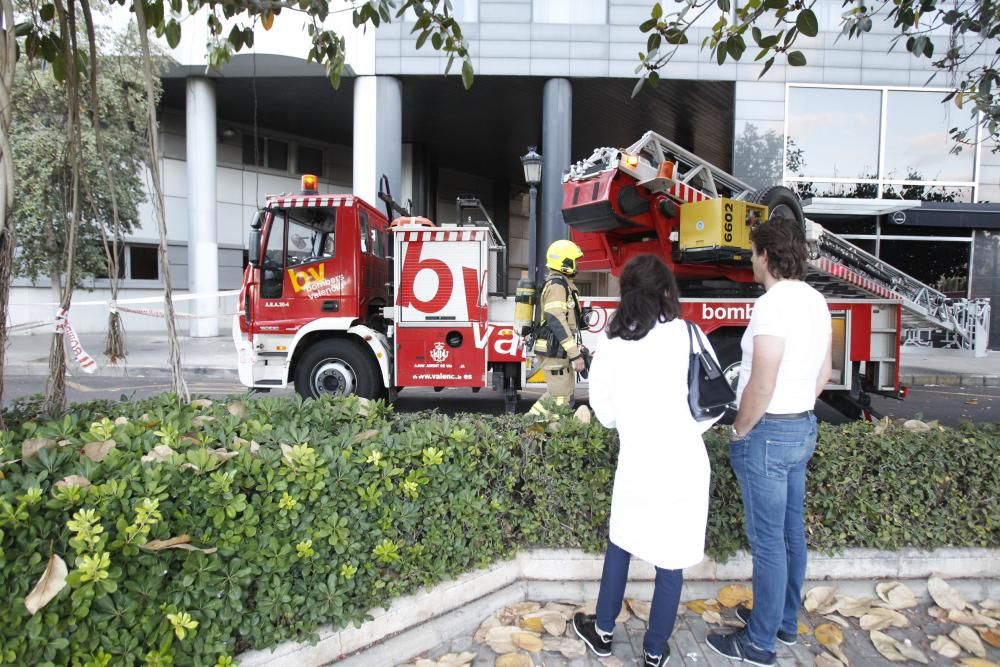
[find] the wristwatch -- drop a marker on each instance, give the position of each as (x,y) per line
(733,433)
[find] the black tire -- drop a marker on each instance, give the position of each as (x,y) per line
(337,367)
(727,350)
(780,199)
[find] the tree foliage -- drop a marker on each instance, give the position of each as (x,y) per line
(44,174)
(770,30)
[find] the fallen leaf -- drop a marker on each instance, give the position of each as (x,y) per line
(916,426)
(365,435)
(570,648)
(540,621)
(514,660)
(879,619)
(821,600)
(611,662)
(639,608)
(989,604)
(827,660)
(590,607)
(73,480)
(886,645)
(286,452)
(978,662)
(937,612)
(49,584)
(487,625)
(701,606)
(96,451)
(31,447)
(158,454)
(908,650)
(237,409)
(836,619)
(713,617)
(178,542)
(582,414)
(853,607)
(946,647)
(972,401)
(424,662)
(532,623)
(567,610)
(971,618)
(882,425)
(121,421)
(529,641)
(802,629)
(201,420)
(501,639)
(456,659)
(200,403)
(967,638)
(734,594)
(944,595)
(990,636)
(897,595)
(828,634)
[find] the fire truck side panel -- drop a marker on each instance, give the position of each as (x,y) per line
(440,357)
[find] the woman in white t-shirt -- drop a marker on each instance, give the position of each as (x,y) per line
(786,363)
(659,506)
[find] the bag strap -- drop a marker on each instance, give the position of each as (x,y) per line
(691,336)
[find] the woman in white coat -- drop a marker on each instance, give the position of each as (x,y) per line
(659,508)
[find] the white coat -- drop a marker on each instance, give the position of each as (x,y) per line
(659,506)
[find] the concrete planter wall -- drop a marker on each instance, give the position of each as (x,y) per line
(418,622)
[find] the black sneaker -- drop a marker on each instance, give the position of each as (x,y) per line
(736,646)
(656,660)
(786,638)
(598,641)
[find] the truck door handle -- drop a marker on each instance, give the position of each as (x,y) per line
(331,306)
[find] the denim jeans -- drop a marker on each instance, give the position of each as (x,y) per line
(770,464)
(666,597)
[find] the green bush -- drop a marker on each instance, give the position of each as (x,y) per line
(315,512)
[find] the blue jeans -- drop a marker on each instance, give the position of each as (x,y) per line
(666,597)
(770,464)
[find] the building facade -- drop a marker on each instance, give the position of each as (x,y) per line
(860,120)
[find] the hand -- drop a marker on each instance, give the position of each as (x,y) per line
(578,364)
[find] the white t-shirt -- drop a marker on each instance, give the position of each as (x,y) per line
(792,310)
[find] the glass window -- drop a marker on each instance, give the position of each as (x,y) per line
(311,235)
(930,262)
(101,269)
(249,156)
(144,262)
(363,223)
(464,11)
(809,189)
(917,141)
(277,155)
(757,155)
(943,193)
(310,161)
(273,266)
(378,241)
(594,12)
(834,132)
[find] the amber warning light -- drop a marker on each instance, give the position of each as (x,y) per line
(310,185)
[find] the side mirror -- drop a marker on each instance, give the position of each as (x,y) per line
(254,249)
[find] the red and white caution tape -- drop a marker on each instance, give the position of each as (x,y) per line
(63,326)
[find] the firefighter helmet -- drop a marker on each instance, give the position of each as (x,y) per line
(562,255)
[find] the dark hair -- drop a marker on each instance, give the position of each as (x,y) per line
(649,295)
(785,243)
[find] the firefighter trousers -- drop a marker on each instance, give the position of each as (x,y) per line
(560,381)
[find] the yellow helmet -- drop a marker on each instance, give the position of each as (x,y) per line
(562,255)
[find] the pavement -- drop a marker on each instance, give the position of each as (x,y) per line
(216,358)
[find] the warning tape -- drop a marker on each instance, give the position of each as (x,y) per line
(153,312)
(87,363)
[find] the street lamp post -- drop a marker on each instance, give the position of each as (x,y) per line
(532,163)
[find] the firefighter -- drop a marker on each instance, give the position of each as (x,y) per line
(559,356)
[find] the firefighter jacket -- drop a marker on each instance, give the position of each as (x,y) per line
(559,318)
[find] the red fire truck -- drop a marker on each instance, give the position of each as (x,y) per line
(335,300)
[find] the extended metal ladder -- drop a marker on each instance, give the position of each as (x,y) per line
(838,268)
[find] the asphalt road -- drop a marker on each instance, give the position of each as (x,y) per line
(949,405)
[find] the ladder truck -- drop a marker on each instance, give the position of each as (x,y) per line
(341,298)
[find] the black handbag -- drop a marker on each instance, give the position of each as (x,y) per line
(709,393)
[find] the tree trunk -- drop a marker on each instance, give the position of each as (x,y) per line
(178,384)
(8,62)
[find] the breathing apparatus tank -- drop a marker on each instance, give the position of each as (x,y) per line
(524,306)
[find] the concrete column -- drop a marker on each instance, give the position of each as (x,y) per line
(557,126)
(203,246)
(378,136)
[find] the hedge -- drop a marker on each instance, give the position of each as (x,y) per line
(314,512)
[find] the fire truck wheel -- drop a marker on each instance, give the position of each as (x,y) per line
(727,349)
(335,367)
(780,199)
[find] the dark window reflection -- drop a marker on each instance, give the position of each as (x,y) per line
(936,263)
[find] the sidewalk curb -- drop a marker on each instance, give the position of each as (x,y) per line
(107,370)
(951,380)
(420,621)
